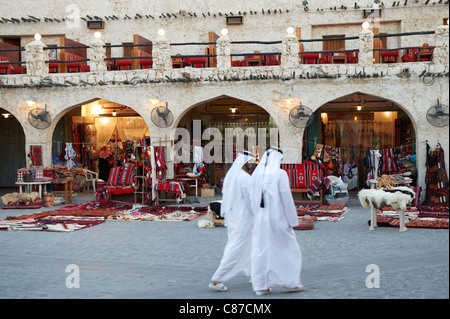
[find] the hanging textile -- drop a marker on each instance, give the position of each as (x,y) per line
(36,155)
(198,159)
(436,179)
(70,156)
(388,161)
(159,161)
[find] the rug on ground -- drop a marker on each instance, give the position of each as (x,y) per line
(323,212)
(78,216)
(161,213)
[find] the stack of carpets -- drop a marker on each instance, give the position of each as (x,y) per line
(323,212)
(421,217)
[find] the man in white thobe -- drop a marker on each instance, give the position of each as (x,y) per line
(238,217)
(276,256)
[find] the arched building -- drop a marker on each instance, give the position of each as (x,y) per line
(298,66)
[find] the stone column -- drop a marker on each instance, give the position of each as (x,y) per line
(289,51)
(36,57)
(97,55)
(161,53)
(441,51)
(223,49)
(365,56)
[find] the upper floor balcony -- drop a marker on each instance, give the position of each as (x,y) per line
(362,55)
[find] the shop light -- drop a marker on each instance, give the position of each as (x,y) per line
(366,25)
(290,30)
(97,35)
(288,100)
(359,107)
(161,32)
(30,103)
(37,37)
(233,109)
(154,101)
(114,113)
(97,109)
(224,31)
(6,115)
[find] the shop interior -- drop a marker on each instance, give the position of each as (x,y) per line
(222,113)
(353,126)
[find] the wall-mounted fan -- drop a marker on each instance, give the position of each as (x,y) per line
(301,116)
(162,116)
(437,115)
(39,118)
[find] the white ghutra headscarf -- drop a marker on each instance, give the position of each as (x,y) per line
(229,182)
(262,179)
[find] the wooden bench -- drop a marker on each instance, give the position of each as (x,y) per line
(300,178)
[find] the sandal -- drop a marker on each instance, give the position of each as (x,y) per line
(295,289)
(264,292)
(220,286)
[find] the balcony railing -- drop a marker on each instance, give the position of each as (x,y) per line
(144,58)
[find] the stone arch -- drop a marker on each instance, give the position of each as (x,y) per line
(410,112)
(12,144)
(181,114)
(63,111)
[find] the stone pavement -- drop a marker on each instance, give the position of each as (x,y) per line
(175,260)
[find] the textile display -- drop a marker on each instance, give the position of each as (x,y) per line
(414,218)
(36,155)
(69,156)
(89,209)
(53,224)
(176,188)
(436,178)
(161,213)
(388,161)
(323,212)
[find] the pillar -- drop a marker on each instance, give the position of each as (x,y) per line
(289,50)
(223,49)
(97,54)
(36,57)
(365,56)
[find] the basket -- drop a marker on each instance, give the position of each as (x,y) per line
(337,201)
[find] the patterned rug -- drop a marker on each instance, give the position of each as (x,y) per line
(414,218)
(51,223)
(162,213)
(323,212)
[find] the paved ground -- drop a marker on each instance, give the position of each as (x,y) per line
(175,260)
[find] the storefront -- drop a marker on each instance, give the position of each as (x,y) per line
(231,117)
(373,132)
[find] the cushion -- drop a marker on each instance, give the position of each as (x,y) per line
(114,175)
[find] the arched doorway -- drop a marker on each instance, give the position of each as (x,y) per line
(229,117)
(12,144)
(362,126)
(93,124)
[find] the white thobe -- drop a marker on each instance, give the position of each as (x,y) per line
(276,255)
(239,223)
